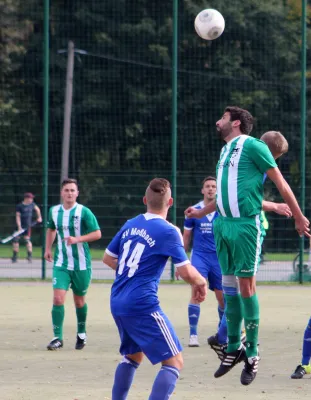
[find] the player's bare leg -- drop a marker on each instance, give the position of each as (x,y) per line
(58,314)
(165,382)
(29,248)
(81,312)
(193,317)
(15,251)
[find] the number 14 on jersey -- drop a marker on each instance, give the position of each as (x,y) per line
(131,260)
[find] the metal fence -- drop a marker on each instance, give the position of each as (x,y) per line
(146,92)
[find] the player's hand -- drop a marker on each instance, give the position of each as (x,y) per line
(71,240)
(48,255)
(302,226)
(283,209)
(39,220)
(177,274)
(192,212)
(200,292)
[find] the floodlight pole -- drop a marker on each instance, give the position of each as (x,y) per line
(303,112)
(67,112)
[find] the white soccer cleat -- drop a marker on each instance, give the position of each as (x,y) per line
(193,341)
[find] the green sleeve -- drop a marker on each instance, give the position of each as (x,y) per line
(261,156)
(50,223)
(89,221)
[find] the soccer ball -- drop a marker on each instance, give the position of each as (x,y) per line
(209,24)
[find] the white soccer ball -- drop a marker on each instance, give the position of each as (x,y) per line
(209,24)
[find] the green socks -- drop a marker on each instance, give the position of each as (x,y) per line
(81,318)
(58,313)
(234,316)
(251,321)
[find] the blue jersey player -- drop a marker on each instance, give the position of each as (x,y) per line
(139,252)
(203,256)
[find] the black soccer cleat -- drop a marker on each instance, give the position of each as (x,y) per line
(55,344)
(220,349)
(230,360)
(301,371)
(250,370)
(80,343)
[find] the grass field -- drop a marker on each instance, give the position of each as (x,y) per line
(29,372)
(97,254)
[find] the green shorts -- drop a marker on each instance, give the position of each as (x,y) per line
(238,244)
(79,281)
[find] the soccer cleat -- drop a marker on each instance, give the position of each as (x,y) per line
(220,349)
(300,371)
(55,344)
(81,342)
(193,341)
(250,370)
(14,259)
(230,360)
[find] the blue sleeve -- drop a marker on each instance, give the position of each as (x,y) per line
(174,248)
(189,223)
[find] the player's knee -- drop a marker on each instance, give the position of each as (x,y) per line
(247,286)
(135,359)
(176,361)
(79,301)
(230,285)
(58,299)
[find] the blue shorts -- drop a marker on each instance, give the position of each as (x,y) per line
(151,334)
(208,266)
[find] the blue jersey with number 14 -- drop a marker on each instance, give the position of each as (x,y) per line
(142,246)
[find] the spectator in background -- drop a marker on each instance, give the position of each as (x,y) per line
(24,220)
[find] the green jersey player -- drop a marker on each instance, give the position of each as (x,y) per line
(74,225)
(240,175)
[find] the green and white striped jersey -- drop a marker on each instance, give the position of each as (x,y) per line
(240,171)
(77,221)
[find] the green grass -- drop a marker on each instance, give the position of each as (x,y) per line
(97,254)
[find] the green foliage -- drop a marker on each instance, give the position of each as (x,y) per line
(121,117)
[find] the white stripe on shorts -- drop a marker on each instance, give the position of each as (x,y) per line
(166,333)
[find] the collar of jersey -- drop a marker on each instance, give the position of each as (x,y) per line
(148,216)
(237,137)
(69,209)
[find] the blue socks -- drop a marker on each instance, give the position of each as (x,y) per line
(123,378)
(164,383)
(194,315)
(221,312)
(306,348)
(222,333)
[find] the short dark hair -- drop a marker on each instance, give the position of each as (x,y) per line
(208,178)
(69,180)
(156,193)
(29,195)
(244,116)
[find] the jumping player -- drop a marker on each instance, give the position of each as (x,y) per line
(240,174)
(278,146)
